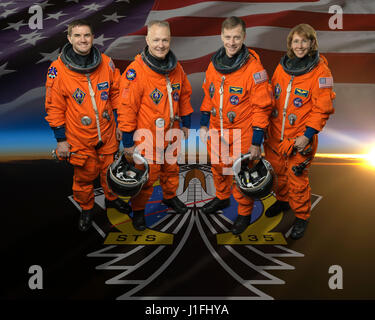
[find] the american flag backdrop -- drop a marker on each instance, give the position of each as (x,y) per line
(119,26)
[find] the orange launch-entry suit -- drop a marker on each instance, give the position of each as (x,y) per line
(151,104)
(302,104)
(89,129)
(239,102)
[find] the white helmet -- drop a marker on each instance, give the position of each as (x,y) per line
(254,178)
(124,178)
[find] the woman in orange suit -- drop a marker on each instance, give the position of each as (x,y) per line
(302,103)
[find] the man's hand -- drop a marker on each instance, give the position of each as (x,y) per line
(128,152)
(255,152)
(203,133)
(63,149)
(118,134)
(301,143)
(186,132)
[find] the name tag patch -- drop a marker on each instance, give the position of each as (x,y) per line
(175,86)
(237,90)
(103,86)
(301,92)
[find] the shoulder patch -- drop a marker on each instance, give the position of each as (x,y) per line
(326,82)
(52,73)
(260,77)
(131,74)
(111,65)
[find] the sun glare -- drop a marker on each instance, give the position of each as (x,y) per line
(370,157)
(366,159)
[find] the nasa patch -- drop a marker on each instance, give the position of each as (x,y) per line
(234,100)
(297,102)
(104,95)
(131,74)
(176,96)
(52,73)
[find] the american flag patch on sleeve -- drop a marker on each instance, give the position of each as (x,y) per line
(326,82)
(260,77)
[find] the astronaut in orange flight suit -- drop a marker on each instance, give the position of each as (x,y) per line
(237,83)
(82,92)
(303,95)
(155,93)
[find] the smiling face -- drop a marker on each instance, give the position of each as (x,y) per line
(82,39)
(158,40)
(233,40)
(300,45)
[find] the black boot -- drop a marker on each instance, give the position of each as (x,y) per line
(240,224)
(299,228)
(85,219)
(276,208)
(118,204)
(176,204)
(139,221)
(215,205)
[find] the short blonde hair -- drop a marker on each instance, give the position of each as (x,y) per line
(304,30)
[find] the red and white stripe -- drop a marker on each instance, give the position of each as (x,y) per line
(195,27)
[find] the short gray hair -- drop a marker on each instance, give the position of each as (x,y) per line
(161,23)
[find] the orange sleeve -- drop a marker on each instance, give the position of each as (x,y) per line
(260,95)
(130,98)
(55,102)
(322,99)
(185,107)
(207,103)
(115,88)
